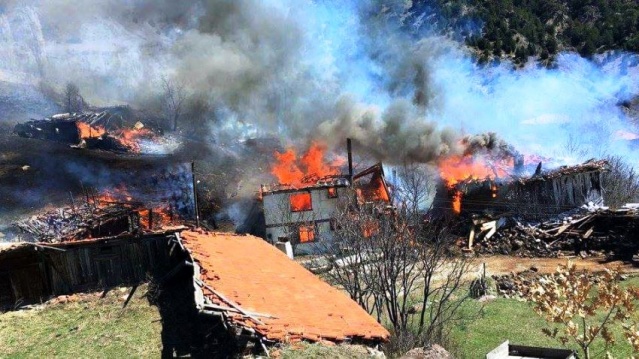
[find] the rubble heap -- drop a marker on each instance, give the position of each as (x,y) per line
(590,229)
(517,285)
(80,222)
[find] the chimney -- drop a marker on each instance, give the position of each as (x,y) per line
(349,149)
(518,164)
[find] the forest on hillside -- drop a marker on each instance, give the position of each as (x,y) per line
(517,29)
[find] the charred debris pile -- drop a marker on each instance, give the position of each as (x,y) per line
(585,231)
(551,214)
(96,217)
(109,130)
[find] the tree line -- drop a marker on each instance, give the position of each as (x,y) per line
(517,29)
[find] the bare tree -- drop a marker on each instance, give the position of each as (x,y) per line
(398,266)
(195,112)
(415,187)
(352,254)
(73,101)
(581,310)
(174,95)
(621,184)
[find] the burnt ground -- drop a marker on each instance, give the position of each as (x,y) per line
(36,174)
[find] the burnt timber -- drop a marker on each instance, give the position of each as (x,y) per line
(64,128)
(539,196)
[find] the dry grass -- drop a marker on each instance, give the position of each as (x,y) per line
(96,328)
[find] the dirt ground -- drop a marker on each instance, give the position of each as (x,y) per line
(498,265)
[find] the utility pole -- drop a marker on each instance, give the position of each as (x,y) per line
(197,210)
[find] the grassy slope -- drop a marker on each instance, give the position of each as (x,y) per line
(99,328)
(510,319)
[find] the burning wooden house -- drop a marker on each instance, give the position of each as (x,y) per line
(94,130)
(301,213)
(559,190)
(541,195)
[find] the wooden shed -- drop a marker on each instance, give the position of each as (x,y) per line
(31,273)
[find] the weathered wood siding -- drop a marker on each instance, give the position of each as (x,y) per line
(30,274)
(552,196)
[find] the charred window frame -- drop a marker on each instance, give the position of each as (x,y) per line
(332,192)
(301,202)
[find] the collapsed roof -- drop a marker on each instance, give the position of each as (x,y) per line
(591,165)
(543,194)
(101,130)
(370,184)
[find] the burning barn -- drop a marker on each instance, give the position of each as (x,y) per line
(559,190)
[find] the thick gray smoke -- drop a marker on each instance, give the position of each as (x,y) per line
(488,142)
(402,134)
(264,67)
(302,69)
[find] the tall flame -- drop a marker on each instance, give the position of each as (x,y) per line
(129,138)
(312,165)
(456,169)
(88,131)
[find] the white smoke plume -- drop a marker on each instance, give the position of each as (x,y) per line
(325,70)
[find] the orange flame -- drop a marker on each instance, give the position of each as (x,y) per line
(457,198)
(88,131)
(130,137)
(162,215)
(456,169)
(289,169)
(118,194)
(301,202)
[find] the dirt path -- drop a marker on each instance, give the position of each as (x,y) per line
(506,264)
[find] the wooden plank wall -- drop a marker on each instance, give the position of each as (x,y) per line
(31,274)
(557,195)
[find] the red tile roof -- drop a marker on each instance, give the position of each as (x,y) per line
(261,279)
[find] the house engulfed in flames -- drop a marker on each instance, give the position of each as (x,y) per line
(300,209)
(540,195)
(93,130)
